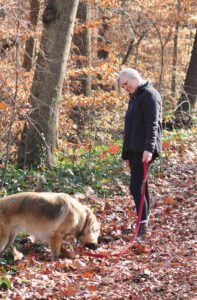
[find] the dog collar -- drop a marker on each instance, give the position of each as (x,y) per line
(84,226)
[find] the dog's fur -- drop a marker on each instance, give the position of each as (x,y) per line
(47,216)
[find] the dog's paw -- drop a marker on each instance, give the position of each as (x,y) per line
(91,246)
(65,253)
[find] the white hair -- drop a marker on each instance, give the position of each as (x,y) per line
(130,73)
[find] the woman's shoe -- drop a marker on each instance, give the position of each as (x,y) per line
(144,231)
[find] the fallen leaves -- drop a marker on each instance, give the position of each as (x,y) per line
(91,287)
(165,145)
(130,213)
(17,255)
(4,106)
(171,201)
(162,267)
(71,290)
(87,275)
(140,249)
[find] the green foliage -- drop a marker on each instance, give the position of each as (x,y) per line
(98,168)
(72,174)
(5,283)
(7,261)
(181,134)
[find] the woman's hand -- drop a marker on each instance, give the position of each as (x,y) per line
(147,156)
(127,163)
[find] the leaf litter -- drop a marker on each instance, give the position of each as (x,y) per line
(161,267)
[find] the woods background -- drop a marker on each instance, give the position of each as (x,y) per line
(57,95)
(61,130)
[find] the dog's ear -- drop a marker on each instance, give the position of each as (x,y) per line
(92,209)
(89,210)
(90,215)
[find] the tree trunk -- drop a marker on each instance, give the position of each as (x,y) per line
(189,95)
(82,42)
(103,42)
(30,46)
(175,52)
(39,137)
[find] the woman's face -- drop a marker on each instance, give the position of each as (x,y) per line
(128,84)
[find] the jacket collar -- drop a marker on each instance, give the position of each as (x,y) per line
(140,88)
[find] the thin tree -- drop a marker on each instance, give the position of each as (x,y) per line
(175,50)
(81,84)
(82,43)
(30,45)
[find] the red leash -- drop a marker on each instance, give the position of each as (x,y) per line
(126,248)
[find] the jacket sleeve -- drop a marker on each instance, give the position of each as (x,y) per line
(151,112)
(125,154)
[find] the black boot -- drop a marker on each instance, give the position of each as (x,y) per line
(140,232)
(144,231)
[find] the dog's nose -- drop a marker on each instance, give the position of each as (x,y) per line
(91,246)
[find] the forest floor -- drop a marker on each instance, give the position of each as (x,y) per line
(161,267)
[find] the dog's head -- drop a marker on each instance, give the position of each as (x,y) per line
(91,232)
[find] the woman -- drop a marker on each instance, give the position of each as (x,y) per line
(142,136)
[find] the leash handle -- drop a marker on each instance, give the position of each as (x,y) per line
(126,248)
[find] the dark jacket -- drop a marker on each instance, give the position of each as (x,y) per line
(145,123)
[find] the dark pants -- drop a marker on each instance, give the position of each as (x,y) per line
(136,167)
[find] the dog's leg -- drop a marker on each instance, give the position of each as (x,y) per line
(55,244)
(3,239)
(10,240)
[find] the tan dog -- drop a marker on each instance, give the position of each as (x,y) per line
(49,217)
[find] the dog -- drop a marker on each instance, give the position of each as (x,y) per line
(49,217)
